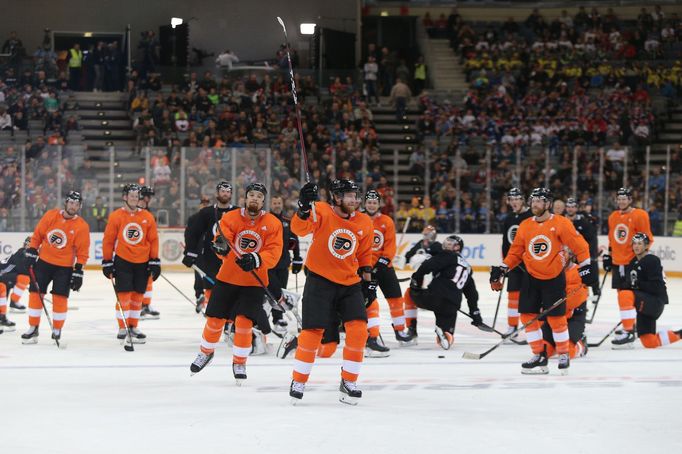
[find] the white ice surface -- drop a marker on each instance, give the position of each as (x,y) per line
(94,397)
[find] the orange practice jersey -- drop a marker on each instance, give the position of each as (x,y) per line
(132,236)
(622,227)
(576,292)
(60,240)
(262,235)
(539,246)
(340,246)
(383,244)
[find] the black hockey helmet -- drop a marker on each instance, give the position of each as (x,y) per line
(259,187)
(514,193)
(146,191)
(223,184)
(452,240)
(542,193)
(641,237)
(341,187)
(627,192)
(74,196)
(372,195)
(131,187)
(571,202)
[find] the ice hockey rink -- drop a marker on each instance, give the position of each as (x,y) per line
(95,397)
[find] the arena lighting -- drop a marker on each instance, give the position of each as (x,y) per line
(307,29)
(175,21)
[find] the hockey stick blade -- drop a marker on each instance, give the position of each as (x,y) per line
(468,355)
(598,344)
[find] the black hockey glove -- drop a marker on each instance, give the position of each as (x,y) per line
(76,277)
(416,284)
(220,246)
(296,265)
(108,269)
(154,268)
(189,259)
(307,195)
(369,291)
(607,263)
(249,261)
(476,318)
(31,256)
(496,275)
(383,262)
(586,275)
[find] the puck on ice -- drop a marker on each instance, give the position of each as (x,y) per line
(441,356)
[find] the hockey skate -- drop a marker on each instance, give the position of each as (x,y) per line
(537,365)
(288,344)
(405,338)
(56,334)
(17,307)
(30,336)
(623,340)
(375,348)
(258,343)
(202,360)
(296,391)
(444,339)
(6,324)
(239,372)
(510,329)
(564,363)
(122,334)
(149,313)
(137,336)
(349,392)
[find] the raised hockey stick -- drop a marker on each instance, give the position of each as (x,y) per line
(129,334)
(499,299)
(613,330)
(193,303)
(42,303)
(596,303)
(557,303)
(298,111)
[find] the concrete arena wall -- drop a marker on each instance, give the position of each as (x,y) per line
(481,251)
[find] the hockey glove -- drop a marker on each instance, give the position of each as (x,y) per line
(306,197)
(416,284)
(108,269)
(383,262)
(154,268)
(76,277)
(220,246)
(296,265)
(586,275)
(497,273)
(31,256)
(249,261)
(369,291)
(477,320)
(189,259)
(608,264)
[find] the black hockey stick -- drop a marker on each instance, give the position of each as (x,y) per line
(556,304)
(499,299)
(42,302)
(613,330)
(129,334)
(193,303)
(596,303)
(489,329)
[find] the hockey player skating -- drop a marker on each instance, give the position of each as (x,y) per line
(341,246)
(199,234)
(645,289)
(383,251)
(57,252)
(148,311)
(623,224)
(238,295)
(452,278)
(130,255)
(538,247)
(519,213)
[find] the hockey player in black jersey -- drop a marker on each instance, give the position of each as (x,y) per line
(519,213)
(423,249)
(588,230)
(647,289)
(452,278)
(199,234)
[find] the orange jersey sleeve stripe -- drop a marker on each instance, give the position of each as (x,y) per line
(132,236)
(340,246)
(622,227)
(539,245)
(383,243)
(262,235)
(61,241)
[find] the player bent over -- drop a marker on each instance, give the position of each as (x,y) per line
(645,289)
(60,239)
(341,245)
(538,245)
(130,255)
(237,294)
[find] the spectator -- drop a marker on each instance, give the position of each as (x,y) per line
(75,58)
(400,96)
(371,70)
(226,59)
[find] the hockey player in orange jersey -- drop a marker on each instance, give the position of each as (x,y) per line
(624,223)
(148,311)
(538,245)
(130,255)
(237,294)
(340,250)
(57,252)
(383,251)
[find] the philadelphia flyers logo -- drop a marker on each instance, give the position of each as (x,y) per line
(133,233)
(248,241)
(378,240)
(621,234)
(511,233)
(540,247)
(342,243)
(57,238)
